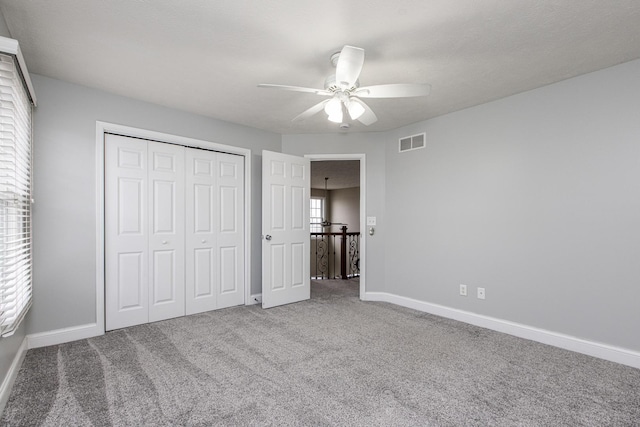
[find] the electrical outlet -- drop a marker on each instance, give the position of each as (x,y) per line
(480,293)
(463,290)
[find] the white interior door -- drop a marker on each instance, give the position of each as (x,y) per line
(285,229)
(126,232)
(166,234)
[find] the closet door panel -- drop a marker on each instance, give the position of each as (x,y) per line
(230,229)
(201,260)
(126,232)
(166,180)
(174,231)
(203,273)
(228,270)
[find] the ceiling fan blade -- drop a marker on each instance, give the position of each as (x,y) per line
(296,89)
(349,66)
(368,117)
(399,90)
(311,111)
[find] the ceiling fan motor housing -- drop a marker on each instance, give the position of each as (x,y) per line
(334,58)
(333,87)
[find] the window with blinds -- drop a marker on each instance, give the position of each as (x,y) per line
(316,212)
(15,196)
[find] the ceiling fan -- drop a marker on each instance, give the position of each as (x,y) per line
(343,89)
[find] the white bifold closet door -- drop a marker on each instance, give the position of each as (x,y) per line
(215,230)
(174,231)
(166,231)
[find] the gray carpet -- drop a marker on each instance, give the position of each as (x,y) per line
(333,360)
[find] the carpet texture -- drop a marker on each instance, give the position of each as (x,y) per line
(332,360)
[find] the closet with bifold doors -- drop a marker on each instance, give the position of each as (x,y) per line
(174,230)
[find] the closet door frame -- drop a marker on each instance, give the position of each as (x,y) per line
(103,128)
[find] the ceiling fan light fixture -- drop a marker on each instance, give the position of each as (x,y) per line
(355,109)
(336,118)
(333,108)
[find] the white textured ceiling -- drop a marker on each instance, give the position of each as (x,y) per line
(207,57)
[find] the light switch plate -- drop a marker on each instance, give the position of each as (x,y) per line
(371,220)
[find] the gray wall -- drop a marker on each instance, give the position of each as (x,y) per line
(535,197)
(4,30)
(316,192)
(345,208)
(9,347)
(64,218)
(373,146)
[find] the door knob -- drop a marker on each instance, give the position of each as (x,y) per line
(268,237)
(164,242)
(204,241)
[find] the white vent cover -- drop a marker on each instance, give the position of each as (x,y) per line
(412,142)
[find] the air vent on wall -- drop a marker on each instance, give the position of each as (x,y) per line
(412,142)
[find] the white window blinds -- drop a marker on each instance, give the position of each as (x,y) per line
(15,196)
(316,214)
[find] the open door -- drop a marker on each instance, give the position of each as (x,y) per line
(286,182)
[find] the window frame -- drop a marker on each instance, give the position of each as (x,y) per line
(315,228)
(16,187)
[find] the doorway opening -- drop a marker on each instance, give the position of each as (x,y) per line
(337,219)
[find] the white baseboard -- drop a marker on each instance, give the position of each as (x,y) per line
(61,336)
(7,384)
(255,299)
(567,342)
